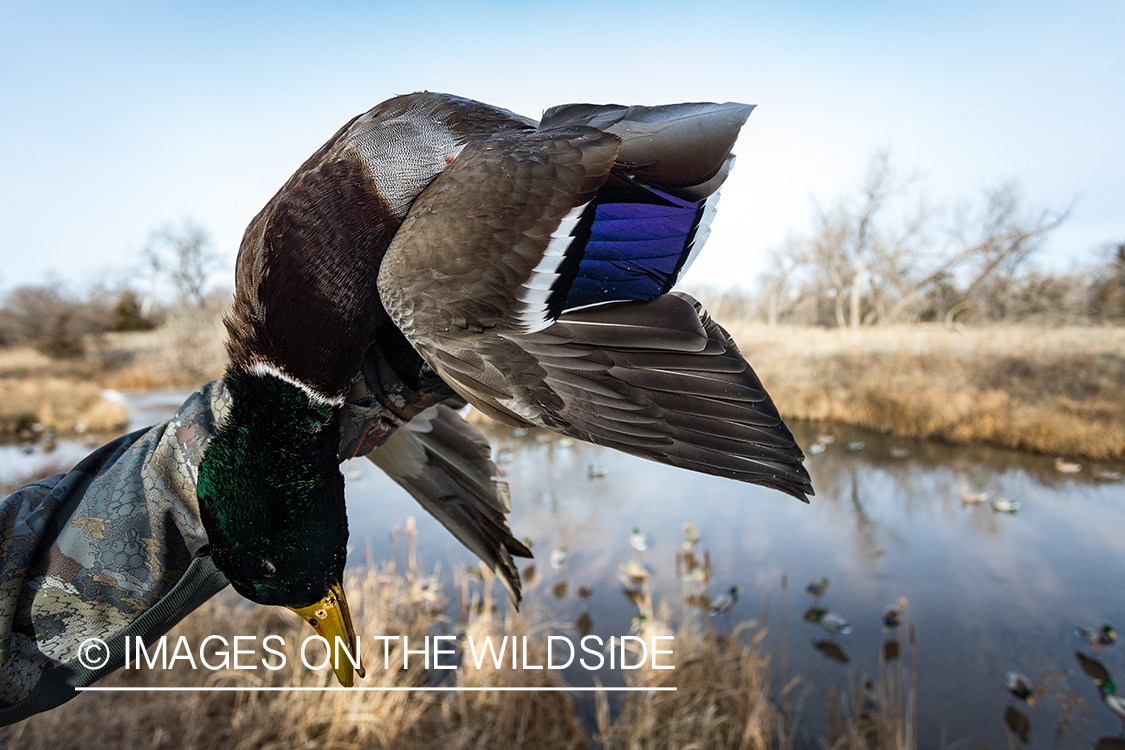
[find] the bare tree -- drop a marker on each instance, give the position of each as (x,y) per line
(997,241)
(185,256)
(871,261)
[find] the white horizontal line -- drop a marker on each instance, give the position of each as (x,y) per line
(377,689)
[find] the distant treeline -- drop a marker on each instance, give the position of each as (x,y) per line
(886,255)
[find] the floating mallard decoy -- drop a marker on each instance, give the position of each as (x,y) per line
(817,588)
(968,497)
(834,622)
(454,252)
(817,448)
(1004,505)
(594,471)
(1106,475)
(893,614)
(854,446)
(899,453)
(1067,467)
(831,621)
(1019,686)
(1114,702)
(724,603)
(1103,636)
(637,540)
(559,556)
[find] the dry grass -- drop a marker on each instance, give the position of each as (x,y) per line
(40,395)
(723,699)
(29,407)
(1059,391)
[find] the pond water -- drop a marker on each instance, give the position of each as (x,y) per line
(987,592)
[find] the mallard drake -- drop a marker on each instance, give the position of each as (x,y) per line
(1114,702)
(724,603)
(559,556)
(817,588)
(1103,636)
(637,540)
(1019,686)
(833,622)
(438,251)
(1004,505)
(893,614)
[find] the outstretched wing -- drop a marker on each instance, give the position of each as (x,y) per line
(443,462)
(501,273)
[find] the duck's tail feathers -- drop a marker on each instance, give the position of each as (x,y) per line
(677,146)
(443,462)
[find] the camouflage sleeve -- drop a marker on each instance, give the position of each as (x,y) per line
(113,548)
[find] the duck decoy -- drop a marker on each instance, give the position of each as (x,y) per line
(1103,636)
(1067,467)
(968,497)
(559,557)
(817,588)
(894,613)
(724,603)
(1004,505)
(638,540)
(1114,702)
(1019,686)
(451,252)
(834,622)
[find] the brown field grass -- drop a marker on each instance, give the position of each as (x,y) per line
(42,395)
(723,697)
(1059,391)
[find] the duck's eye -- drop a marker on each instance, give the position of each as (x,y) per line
(266,568)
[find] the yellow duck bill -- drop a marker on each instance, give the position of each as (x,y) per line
(331,620)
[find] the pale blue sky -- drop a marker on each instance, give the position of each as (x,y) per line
(117,117)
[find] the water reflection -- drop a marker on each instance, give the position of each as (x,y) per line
(831,651)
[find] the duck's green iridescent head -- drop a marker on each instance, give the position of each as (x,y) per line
(271,497)
(271,493)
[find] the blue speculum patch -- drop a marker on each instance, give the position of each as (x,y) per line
(630,244)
